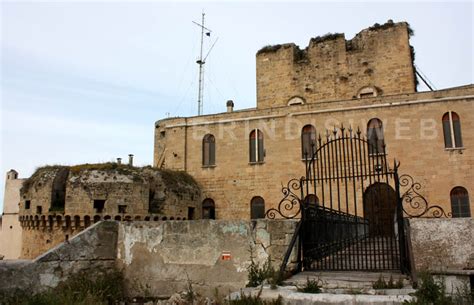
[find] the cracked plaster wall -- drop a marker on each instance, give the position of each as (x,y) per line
(159,259)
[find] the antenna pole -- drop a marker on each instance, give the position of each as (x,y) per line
(201,70)
(201,61)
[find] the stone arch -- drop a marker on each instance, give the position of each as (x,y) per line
(77,221)
(97,218)
(118,218)
(87,221)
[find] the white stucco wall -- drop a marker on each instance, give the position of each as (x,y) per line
(10,233)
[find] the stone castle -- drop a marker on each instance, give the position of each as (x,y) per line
(232,165)
(242,158)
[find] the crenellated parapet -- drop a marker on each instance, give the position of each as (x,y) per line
(377,61)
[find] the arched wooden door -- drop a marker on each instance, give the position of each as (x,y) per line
(380,205)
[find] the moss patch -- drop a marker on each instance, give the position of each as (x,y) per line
(327,37)
(41,174)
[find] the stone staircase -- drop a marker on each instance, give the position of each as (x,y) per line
(341,288)
(370,253)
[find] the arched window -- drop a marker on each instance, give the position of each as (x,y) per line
(208,209)
(308,141)
(257,208)
(208,150)
(460,202)
(452,130)
(311,200)
(375,136)
(256,149)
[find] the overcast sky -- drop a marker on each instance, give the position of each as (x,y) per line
(85,81)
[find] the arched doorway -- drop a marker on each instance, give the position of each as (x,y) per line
(380,205)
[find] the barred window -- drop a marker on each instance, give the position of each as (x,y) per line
(208,209)
(256,149)
(460,202)
(208,150)
(452,130)
(375,136)
(308,141)
(257,208)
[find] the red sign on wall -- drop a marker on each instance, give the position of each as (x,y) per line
(226,256)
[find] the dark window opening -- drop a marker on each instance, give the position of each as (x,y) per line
(190,213)
(27,204)
(162,134)
(375,137)
(257,208)
(122,209)
(58,196)
(208,150)
(154,204)
(208,209)
(39,209)
(99,205)
(256,148)
(367,94)
(460,206)
(308,141)
(87,221)
(452,130)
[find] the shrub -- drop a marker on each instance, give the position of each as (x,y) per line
(77,290)
(311,286)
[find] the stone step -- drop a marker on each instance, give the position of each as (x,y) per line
(345,279)
(291,296)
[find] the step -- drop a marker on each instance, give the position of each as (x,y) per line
(345,279)
(291,296)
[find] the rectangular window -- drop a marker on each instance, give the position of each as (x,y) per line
(122,209)
(99,205)
(27,204)
(39,209)
(190,213)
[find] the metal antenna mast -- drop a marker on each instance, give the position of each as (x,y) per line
(201,62)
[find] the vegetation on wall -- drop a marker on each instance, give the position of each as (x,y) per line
(176,180)
(79,289)
(269,49)
(40,175)
(326,37)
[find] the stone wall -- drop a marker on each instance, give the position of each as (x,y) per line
(332,68)
(57,202)
(413,133)
(92,251)
(442,244)
(159,259)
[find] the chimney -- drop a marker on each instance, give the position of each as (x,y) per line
(230,105)
(119,161)
(130,159)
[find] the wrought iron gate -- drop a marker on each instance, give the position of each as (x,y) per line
(350,206)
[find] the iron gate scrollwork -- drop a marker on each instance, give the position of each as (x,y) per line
(350,205)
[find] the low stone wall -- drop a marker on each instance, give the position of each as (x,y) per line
(92,251)
(442,244)
(159,259)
